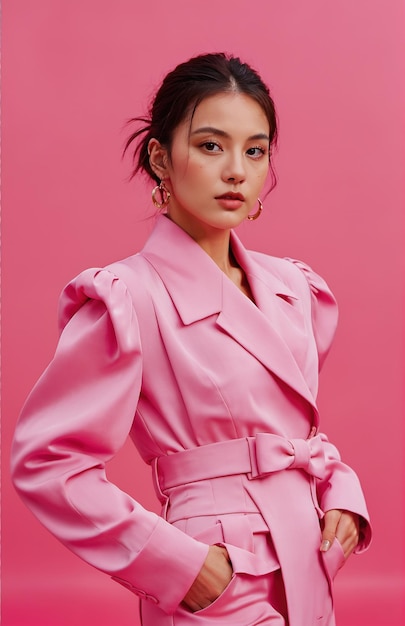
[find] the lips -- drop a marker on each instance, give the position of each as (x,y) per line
(231,196)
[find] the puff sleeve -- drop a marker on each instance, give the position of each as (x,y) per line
(340,489)
(76,418)
(324,310)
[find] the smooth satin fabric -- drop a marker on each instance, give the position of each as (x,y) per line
(248,600)
(163,347)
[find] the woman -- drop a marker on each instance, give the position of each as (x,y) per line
(207,355)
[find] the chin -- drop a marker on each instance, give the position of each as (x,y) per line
(233,219)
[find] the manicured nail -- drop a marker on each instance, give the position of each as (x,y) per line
(325,545)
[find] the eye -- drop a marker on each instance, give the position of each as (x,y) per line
(256,151)
(211,146)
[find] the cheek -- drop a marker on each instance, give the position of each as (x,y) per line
(195,173)
(262,175)
(182,163)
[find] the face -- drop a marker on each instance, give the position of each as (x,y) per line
(218,165)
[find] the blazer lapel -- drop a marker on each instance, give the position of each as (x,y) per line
(191,277)
(198,289)
(252,329)
(287,308)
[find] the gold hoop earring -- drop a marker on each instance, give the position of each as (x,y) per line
(164,195)
(258,212)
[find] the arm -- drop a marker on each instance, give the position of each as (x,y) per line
(340,494)
(77,417)
(341,497)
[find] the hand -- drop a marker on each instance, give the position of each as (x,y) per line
(343,525)
(214,576)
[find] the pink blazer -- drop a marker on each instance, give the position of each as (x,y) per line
(163,347)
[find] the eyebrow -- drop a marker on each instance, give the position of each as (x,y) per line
(216,131)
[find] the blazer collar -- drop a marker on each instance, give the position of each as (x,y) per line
(193,279)
(198,289)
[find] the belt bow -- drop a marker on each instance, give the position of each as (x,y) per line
(271,453)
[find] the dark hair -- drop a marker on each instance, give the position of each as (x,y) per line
(183,89)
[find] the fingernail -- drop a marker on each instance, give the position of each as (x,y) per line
(325,545)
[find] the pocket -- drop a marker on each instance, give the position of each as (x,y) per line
(221,605)
(205,529)
(250,552)
(333,559)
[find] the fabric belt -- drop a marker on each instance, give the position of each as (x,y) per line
(256,457)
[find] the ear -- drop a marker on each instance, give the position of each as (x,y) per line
(158,159)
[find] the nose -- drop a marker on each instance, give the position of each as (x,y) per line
(234,169)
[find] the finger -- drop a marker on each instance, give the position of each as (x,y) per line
(348,532)
(330,524)
(193,606)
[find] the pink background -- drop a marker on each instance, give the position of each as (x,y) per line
(73,73)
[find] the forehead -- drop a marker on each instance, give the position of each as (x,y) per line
(230,112)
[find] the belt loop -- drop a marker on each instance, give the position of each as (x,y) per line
(162,497)
(254,470)
(314,496)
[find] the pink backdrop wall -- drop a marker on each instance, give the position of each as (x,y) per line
(73,73)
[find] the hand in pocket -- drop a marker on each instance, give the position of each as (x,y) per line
(213,578)
(342,525)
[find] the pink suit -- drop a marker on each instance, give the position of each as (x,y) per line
(163,347)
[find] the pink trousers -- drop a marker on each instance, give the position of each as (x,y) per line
(247,601)
(215,501)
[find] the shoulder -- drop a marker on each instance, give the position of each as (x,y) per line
(293,273)
(130,269)
(311,289)
(115,289)
(106,285)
